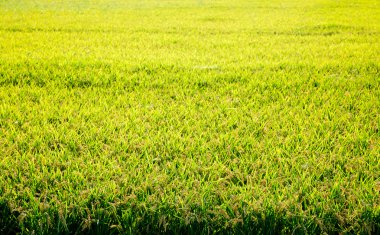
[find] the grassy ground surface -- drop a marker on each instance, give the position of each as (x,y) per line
(189,116)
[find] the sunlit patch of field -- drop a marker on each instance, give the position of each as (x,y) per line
(189,116)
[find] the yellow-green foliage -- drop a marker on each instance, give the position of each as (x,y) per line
(193,116)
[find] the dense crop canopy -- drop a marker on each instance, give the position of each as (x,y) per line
(189,116)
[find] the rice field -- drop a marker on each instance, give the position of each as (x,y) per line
(193,116)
